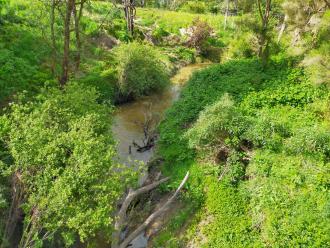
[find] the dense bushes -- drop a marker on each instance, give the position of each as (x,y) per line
(64,153)
(140,70)
(267,135)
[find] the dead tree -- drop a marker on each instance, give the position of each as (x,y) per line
(121,220)
(148,126)
(122,214)
(283,26)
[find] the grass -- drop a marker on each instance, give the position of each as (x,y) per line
(176,20)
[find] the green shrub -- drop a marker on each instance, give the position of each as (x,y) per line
(159,33)
(104,81)
(140,70)
(197,7)
(242,47)
(63,148)
(212,53)
(215,124)
(182,54)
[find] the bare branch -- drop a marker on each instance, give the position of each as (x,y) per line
(283,26)
(154,215)
(121,216)
(132,194)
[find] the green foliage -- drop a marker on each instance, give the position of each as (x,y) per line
(215,124)
(63,146)
(241,48)
(22,49)
(228,213)
(297,92)
(263,131)
(290,199)
(159,33)
(184,54)
(172,21)
(197,7)
(231,109)
(17,74)
(140,70)
(104,79)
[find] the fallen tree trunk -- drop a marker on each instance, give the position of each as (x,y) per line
(121,216)
(153,216)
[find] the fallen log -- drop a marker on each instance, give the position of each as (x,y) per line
(121,217)
(154,215)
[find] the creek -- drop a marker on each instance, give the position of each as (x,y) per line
(129,118)
(127,128)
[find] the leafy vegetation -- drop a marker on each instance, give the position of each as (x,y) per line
(250,133)
(253,129)
(140,71)
(64,152)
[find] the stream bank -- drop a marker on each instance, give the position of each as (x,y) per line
(128,129)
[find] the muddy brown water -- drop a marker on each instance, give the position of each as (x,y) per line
(129,117)
(127,128)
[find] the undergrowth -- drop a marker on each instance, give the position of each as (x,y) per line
(257,145)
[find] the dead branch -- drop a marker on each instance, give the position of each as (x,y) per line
(154,215)
(283,26)
(121,216)
(224,172)
(148,128)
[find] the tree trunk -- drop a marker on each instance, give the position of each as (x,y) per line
(130,12)
(226,13)
(15,212)
(66,51)
(77,18)
(263,52)
(52,32)
(31,230)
